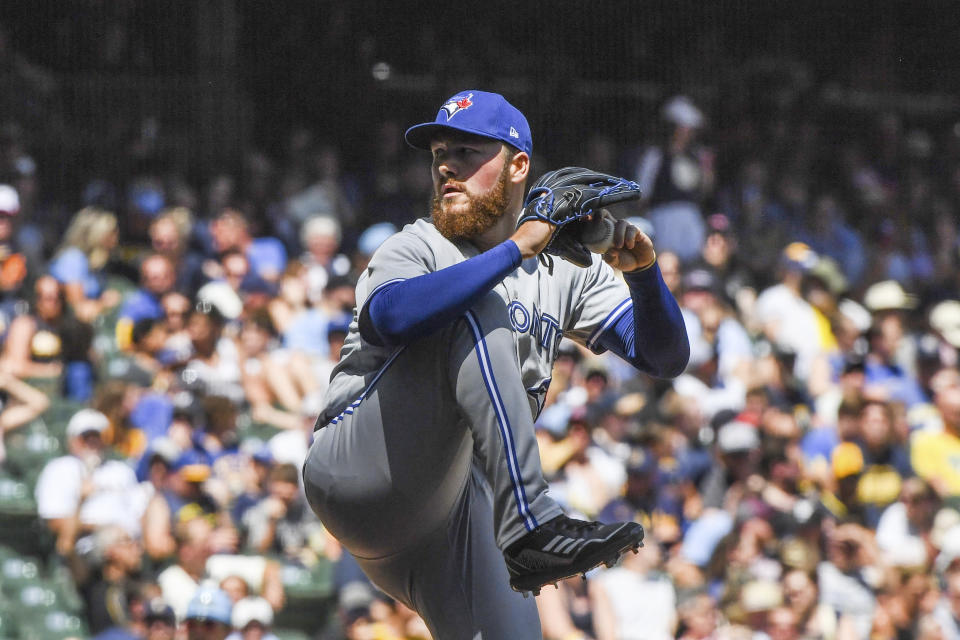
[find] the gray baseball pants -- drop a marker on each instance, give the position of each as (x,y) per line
(434,472)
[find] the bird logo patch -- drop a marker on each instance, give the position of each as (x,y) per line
(457,104)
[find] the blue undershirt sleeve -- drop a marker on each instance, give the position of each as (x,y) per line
(403,311)
(653,338)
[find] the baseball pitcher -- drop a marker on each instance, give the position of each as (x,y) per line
(424,463)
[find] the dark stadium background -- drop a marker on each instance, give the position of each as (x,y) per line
(220,75)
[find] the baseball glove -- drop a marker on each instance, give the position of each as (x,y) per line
(565,198)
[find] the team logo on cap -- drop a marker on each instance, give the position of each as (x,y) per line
(457,104)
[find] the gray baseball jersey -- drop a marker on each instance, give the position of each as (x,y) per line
(437,435)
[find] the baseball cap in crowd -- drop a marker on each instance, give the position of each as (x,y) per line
(156,609)
(554,419)
(219,298)
(354,600)
(374,236)
(210,603)
(827,271)
(85,421)
(799,256)
(193,466)
(9,200)
(888,296)
(251,609)
(945,320)
(681,111)
(165,449)
(477,112)
(737,436)
(700,280)
(340,323)
(147,198)
(847,460)
(855,313)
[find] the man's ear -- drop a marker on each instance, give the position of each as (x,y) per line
(519,167)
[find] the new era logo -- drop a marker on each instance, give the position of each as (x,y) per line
(514,134)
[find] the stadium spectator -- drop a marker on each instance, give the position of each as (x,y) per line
(157,278)
(170,237)
(675,176)
(275,382)
(282,524)
(160,621)
(84,490)
(14,267)
(934,453)
(847,579)
(834,412)
(181,498)
(81,260)
(252,619)
(208,615)
(215,363)
(785,318)
(19,404)
(321,237)
(49,345)
(633,600)
(947,614)
(104,570)
(229,231)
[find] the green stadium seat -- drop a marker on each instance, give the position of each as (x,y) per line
(29,451)
(309,596)
(52,625)
(61,580)
(18,573)
(59,413)
(8,622)
(248,429)
(313,583)
(35,597)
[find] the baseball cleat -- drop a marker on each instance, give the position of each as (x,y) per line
(565,547)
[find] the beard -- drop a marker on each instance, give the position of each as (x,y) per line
(482,211)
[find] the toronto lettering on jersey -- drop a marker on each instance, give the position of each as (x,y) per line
(544,328)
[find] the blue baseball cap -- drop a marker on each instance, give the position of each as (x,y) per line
(478,112)
(210,604)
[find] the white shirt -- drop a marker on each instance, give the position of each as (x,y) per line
(116,499)
(795,321)
(900,544)
(643,606)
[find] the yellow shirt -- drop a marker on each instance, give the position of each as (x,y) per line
(936,456)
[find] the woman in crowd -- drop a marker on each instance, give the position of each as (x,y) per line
(80,262)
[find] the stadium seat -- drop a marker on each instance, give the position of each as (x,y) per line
(309,596)
(58,414)
(61,580)
(52,625)
(29,450)
(8,623)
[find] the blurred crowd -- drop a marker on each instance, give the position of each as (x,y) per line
(165,346)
